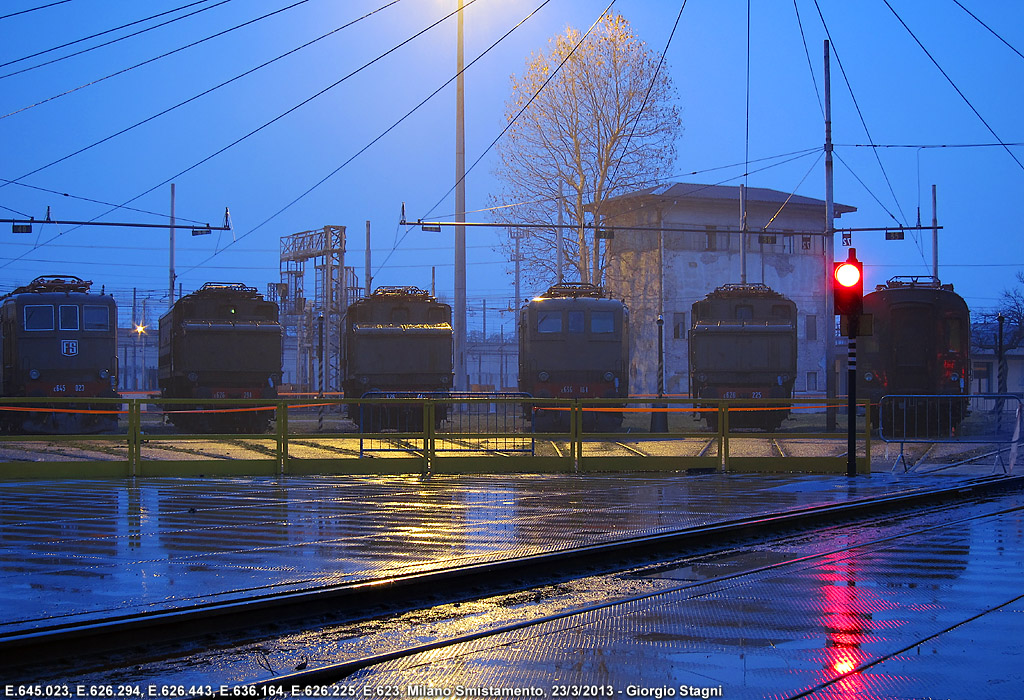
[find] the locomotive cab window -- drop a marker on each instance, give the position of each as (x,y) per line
(744,312)
(602,322)
(780,311)
(436,314)
(68,318)
(38,318)
(576,322)
(549,321)
(95,318)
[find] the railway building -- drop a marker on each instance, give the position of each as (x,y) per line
(673,244)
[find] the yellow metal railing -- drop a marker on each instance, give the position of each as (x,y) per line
(488,434)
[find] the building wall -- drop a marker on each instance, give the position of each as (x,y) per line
(696,263)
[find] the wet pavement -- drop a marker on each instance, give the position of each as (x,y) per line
(934,615)
(86,549)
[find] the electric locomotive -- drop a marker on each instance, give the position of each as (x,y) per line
(574,343)
(59,340)
(220,342)
(398,341)
(743,346)
(920,347)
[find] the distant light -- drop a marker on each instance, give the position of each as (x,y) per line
(140,329)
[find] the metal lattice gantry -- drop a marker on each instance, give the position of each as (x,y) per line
(319,358)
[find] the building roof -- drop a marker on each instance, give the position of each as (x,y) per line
(697,192)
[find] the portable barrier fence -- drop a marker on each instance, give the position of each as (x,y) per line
(485,423)
(431,433)
(975,419)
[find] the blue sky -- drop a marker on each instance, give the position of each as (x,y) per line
(904,100)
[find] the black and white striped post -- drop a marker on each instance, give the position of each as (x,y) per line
(852,326)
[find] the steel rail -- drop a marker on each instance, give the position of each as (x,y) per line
(332,673)
(75,640)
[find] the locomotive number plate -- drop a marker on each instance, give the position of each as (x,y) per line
(743,394)
(69,347)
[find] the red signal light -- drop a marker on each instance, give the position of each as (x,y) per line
(848,286)
(847,274)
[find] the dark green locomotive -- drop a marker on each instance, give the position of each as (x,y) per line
(220,342)
(743,346)
(59,340)
(574,343)
(398,341)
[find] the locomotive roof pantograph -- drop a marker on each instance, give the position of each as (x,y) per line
(237,287)
(53,283)
(918,281)
(573,290)
(746,290)
(403,292)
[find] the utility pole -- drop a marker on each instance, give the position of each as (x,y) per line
(559,243)
(170,295)
(367,272)
(935,236)
(829,253)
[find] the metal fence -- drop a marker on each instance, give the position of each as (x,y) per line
(974,419)
(445,433)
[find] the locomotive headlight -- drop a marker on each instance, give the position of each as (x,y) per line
(608,376)
(543,376)
(364,380)
(869,376)
(445,378)
(33,374)
(193,376)
(104,373)
(702,377)
(954,377)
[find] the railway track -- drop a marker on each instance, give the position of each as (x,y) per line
(232,620)
(579,616)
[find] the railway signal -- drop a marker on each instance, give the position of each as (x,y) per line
(848,286)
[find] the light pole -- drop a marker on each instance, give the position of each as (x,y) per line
(460,215)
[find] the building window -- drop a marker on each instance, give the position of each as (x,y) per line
(811,326)
(679,325)
(812,381)
(805,243)
(711,238)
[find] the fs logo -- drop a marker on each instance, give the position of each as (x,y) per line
(69,347)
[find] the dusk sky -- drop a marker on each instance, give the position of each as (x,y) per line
(329,135)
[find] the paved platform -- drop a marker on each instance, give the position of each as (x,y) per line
(86,549)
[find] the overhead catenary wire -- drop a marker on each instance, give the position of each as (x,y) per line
(381,135)
(860,113)
(954,86)
(156,58)
(33,9)
(114,41)
(510,123)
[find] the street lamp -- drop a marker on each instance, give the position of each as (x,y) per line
(460,213)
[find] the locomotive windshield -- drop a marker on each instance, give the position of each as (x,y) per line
(95,318)
(38,317)
(549,321)
(68,318)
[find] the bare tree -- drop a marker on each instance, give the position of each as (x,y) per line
(1011,308)
(597,120)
